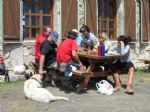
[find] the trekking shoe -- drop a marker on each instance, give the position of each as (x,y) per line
(116,89)
(129,91)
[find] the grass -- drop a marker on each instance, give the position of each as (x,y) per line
(12,84)
(140,74)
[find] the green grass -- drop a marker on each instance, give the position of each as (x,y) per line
(140,74)
(11,84)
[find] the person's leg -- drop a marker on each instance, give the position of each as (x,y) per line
(114,68)
(117,82)
(130,80)
(130,67)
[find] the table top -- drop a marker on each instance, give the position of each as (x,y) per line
(93,55)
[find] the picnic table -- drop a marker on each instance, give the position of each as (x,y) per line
(93,58)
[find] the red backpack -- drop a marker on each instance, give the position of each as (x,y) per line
(2,65)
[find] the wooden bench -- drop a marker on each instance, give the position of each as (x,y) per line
(88,75)
(146,61)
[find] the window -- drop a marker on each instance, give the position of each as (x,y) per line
(107,17)
(37,15)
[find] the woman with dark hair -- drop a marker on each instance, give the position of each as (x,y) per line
(123,48)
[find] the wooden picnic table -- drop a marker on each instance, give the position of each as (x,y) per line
(89,73)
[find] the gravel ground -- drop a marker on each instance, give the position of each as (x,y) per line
(12,100)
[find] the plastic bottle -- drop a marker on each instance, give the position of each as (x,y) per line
(99,50)
(103,50)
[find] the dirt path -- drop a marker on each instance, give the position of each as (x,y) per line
(12,100)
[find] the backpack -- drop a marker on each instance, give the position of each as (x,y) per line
(2,66)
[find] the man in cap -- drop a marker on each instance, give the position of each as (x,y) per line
(67,56)
(48,51)
(67,50)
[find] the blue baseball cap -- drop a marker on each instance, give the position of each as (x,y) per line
(54,36)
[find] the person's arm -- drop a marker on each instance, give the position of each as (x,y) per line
(41,64)
(76,59)
(124,49)
(44,50)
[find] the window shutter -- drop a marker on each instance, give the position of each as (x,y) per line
(91,15)
(130,18)
(69,16)
(145,24)
(11,19)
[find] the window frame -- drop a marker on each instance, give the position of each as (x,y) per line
(107,19)
(39,14)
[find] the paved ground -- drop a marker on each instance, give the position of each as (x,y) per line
(12,100)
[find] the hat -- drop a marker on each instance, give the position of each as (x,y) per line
(72,34)
(75,30)
(54,36)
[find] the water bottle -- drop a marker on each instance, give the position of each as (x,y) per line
(100,50)
(103,50)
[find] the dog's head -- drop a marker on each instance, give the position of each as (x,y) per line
(37,77)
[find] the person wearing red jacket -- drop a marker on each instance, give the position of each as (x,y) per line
(39,40)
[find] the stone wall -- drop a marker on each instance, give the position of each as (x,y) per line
(13,54)
(28,52)
(19,53)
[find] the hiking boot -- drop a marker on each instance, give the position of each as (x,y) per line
(117,88)
(129,90)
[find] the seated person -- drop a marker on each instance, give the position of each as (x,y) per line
(122,47)
(103,39)
(48,52)
(87,37)
(67,55)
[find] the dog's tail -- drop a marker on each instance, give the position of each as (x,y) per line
(61,98)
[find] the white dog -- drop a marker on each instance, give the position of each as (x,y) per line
(34,91)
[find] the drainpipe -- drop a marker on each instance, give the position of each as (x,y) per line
(97,18)
(61,19)
(21,29)
(1,25)
(149,23)
(138,27)
(21,17)
(141,18)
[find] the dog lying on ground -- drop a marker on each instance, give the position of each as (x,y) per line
(34,91)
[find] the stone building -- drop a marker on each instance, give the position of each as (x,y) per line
(22,20)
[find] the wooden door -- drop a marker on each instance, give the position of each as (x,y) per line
(11,18)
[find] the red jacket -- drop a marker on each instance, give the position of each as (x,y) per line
(40,39)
